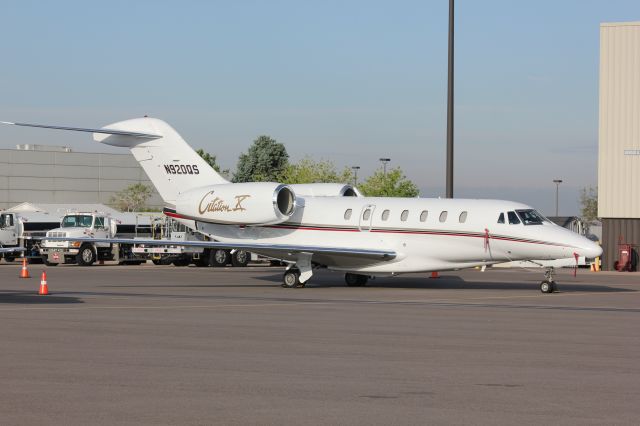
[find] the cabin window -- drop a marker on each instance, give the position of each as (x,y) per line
(366,215)
(347,214)
(463,217)
(423,215)
(513,218)
(99,223)
(404,215)
(501,218)
(443,216)
(385,215)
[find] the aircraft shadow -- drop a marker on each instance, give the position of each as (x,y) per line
(449,282)
(32,298)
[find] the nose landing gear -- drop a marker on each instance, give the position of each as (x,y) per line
(548,285)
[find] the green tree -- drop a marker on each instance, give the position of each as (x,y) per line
(133,198)
(212,160)
(309,171)
(265,161)
(589,202)
(393,184)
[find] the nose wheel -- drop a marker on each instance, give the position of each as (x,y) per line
(548,285)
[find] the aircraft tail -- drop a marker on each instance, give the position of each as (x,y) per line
(171,164)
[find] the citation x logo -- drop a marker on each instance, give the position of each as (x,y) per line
(219,205)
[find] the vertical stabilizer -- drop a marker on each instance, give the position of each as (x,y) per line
(171,164)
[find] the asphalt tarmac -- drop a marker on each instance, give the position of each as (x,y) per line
(159,345)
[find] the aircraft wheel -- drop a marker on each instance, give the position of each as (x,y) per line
(355,280)
(291,279)
(547,286)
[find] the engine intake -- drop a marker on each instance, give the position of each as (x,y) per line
(285,200)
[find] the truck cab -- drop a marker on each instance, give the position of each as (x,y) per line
(8,229)
(80,225)
(10,232)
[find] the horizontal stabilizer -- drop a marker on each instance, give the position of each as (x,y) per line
(80,129)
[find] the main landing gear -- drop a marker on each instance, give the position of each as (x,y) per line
(549,284)
(299,273)
(291,278)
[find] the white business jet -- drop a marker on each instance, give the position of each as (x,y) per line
(331,225)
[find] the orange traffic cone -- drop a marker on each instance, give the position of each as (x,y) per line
(434,275)
(44,289)
(24,273)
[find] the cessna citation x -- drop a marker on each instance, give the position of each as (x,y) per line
(332,225)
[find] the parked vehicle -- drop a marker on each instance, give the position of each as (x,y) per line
(97,225)
(23,230)
(174,231)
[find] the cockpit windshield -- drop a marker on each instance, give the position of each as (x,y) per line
(531,217)
(80,220)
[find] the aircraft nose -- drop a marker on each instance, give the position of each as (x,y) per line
(589,249)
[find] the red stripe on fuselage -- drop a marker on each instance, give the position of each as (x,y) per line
(413,232)
(390,231)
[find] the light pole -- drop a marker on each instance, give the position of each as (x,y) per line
(557,182)
(355,174)
(384,165)
(450,107)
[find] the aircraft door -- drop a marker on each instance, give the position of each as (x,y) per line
(366,217)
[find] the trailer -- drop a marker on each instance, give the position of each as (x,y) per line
(173,232)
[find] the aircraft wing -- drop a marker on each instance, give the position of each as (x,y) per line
(11,249)
(285,249)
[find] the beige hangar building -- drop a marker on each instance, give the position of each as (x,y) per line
(619,138)
(51,174)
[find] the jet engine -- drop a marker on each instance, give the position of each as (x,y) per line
(252,203)
(325,190)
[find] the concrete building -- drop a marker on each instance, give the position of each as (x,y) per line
(49,174)
(619,137)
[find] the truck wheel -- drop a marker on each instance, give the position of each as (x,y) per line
(220,258)
(181,262)
(86,256)
(240,258)
(9,258)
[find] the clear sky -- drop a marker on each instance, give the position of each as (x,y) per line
(347,81)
